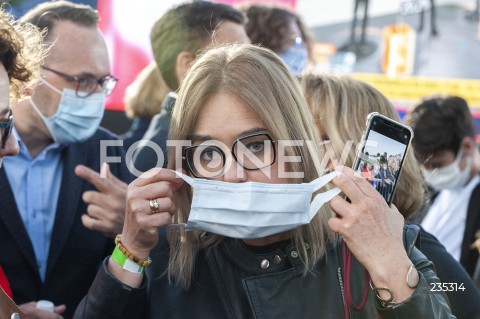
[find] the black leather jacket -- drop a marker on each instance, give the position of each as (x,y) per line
(232,281)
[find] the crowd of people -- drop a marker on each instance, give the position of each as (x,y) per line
(381,171)
(243,218)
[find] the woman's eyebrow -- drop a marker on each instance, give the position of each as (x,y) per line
(243,134)
(201,137)
(252,131)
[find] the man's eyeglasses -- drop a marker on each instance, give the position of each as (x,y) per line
(87,85)
(252,152)
(6,128)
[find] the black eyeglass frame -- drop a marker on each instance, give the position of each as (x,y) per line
(6,128)
(101,81)
(193,147)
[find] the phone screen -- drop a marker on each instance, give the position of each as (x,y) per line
(382,154)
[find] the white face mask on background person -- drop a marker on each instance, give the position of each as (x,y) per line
(254,210)
(77,119)
(450,176)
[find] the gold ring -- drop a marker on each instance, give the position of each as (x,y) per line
(154,206)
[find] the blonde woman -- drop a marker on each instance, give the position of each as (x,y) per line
(340,105)
(244,253)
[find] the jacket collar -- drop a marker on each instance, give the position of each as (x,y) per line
(262,263)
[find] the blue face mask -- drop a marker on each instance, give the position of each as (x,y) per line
(295,58)
(77,119)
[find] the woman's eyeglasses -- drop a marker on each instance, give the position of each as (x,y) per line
(6,128)
(252,152)
(87,85)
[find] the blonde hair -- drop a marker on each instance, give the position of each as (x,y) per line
(144,97)
(21,53)
(340,106)
(262,81)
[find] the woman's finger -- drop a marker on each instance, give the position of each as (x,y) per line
(335,224)
(365,187)
(165,205)
(157,175)
(156,221)
(348,187)
(362,183)
(340,206)
(155,190)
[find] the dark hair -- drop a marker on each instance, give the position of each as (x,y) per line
(46,14)
(440,123)
(269,27)
(187,27)
(21,52)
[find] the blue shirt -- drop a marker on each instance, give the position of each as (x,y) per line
(35,183)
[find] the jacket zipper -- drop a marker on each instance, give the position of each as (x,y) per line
(340,280)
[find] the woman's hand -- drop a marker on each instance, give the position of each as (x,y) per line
(140,231)
(373,232)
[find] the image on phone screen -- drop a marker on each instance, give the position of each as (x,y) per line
(380,162)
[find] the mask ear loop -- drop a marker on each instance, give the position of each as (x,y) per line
(190,181)
(185,177)
(50,85)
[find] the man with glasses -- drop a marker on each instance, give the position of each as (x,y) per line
(47,251)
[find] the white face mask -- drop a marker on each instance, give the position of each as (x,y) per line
(254,210)
(77,119)
(450,176)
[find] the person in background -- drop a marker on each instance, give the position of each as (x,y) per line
(446,150)
(385,178)
(48,253)
(340,105)
(177,37)
(143,99)
(281,31)
(21,54)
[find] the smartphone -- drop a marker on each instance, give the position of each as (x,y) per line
(382,152)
